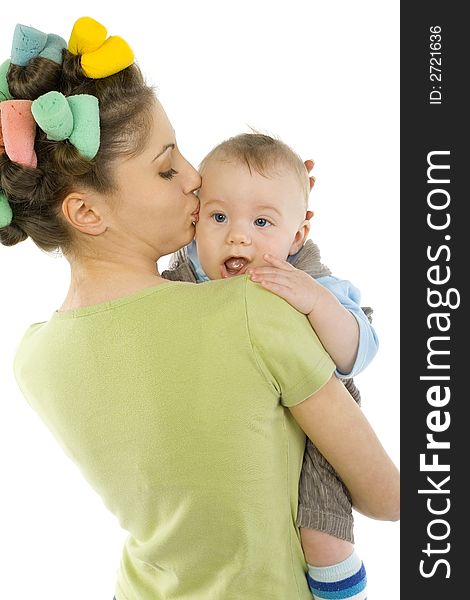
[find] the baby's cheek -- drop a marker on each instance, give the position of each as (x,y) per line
(205,253)
(201,232)
(201,236)
(211,269)
(274,248)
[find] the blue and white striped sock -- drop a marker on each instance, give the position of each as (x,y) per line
(347,579)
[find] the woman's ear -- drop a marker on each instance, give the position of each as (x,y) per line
(84,213)
(301,234)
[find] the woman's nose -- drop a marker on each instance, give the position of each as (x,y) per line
(193,180)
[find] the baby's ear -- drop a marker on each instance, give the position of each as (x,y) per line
(300,236)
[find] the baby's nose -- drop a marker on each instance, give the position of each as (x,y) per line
(238,236)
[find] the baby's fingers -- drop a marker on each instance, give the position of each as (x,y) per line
(281,280)
(277,288)
(269,273)
(277,262)
(281,285)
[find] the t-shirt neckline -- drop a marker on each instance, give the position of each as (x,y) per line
(106,305)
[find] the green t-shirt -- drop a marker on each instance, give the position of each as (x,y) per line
(170,402)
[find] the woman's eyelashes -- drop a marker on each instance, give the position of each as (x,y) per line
(168,174)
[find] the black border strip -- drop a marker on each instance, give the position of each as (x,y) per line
(434,258)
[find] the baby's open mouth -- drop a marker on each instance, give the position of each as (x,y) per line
(235,265)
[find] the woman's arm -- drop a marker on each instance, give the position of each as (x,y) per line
(339,429)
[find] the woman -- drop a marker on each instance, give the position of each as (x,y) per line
(181,404)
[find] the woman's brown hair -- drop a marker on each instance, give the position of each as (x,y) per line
(36,195)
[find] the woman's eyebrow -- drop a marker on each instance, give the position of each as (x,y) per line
(165,148)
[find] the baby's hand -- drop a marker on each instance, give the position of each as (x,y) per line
(298,288)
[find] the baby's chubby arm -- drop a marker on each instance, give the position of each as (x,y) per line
(335,325)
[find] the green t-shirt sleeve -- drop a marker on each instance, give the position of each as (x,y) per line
(286,348)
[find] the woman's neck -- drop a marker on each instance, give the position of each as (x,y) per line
(94,281)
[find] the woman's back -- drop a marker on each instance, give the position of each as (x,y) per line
(169,402)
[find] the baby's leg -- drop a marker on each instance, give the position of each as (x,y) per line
(326,529)
(323,549)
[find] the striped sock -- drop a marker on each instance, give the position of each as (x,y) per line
(347,579)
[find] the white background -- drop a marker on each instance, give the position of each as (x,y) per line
(324,77)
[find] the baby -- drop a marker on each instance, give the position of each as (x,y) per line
(254,219)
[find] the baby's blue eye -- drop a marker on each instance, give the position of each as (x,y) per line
(219,217)
(262,222)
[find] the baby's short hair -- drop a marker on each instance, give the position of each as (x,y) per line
(263,154)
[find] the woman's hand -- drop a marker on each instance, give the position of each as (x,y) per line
(298,288)
(309,164)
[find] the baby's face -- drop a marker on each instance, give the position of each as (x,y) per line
(245,215)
